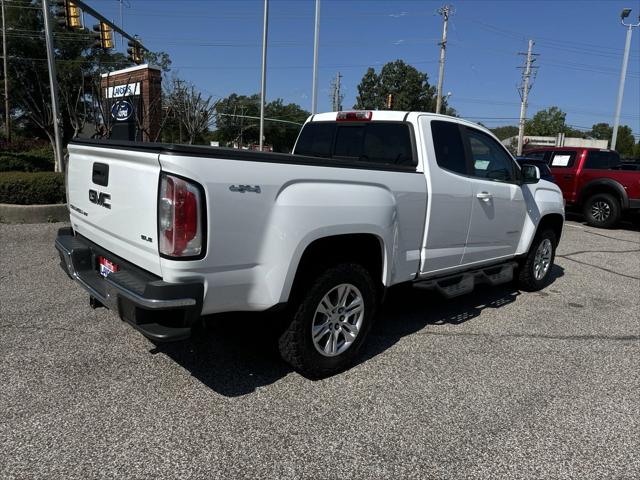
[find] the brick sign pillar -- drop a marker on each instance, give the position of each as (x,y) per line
(133,102)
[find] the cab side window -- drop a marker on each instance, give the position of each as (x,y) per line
(488,158)
(449,147)
(601,160)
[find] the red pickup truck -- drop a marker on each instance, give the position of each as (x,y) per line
(591,179)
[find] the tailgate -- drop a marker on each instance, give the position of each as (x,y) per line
(113,197)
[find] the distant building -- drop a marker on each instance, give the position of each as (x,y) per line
(559,140)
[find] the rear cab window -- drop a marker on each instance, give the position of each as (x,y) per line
(388,143)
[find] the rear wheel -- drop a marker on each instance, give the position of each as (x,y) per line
(331,321)
(535,271)
(602,210)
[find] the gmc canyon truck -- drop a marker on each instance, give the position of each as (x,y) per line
(166,233)
(594,181)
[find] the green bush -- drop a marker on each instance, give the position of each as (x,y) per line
(32,161)
(27,188)
(25,144)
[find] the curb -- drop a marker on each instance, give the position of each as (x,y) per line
(33,213)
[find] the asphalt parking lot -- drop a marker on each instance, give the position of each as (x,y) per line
(497,384)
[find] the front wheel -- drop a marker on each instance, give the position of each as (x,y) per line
(535,271)
(331,322)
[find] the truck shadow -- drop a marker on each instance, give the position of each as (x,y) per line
(629,222)
(408,310)
(235,354)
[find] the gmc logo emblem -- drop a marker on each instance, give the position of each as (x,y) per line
(100,198)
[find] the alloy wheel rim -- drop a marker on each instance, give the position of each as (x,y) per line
(337,320)
(542,260)
(600,211)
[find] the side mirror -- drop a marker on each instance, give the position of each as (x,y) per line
(530,174)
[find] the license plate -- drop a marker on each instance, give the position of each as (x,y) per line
(106,267)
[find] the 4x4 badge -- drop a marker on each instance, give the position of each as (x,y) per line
(245,188)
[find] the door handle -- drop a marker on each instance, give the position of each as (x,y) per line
(567,177)
(485,196)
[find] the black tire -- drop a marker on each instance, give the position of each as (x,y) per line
(296,344)
(527,279)
(602,210)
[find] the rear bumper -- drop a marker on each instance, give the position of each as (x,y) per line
(634,204)
(161,311)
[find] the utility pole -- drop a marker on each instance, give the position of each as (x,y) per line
(625,61)
(316,40)
(336,96)
(53,82)
(121,23)
(265,25)
(7,117)
(446,12)
(524,93)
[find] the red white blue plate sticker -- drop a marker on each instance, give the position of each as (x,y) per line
(106,267)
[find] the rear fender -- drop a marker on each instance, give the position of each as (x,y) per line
(604,185)
(306,211)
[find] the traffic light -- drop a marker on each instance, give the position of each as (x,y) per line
(104,39)
(68,14)
(134,52)
(390,101)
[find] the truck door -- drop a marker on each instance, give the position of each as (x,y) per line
(498,208)
(449,193)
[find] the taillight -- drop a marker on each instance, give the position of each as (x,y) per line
(357,116)
(179,217)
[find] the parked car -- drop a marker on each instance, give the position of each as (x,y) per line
(591,180)
(164,233)
(545,172)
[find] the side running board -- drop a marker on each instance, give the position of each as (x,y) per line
(462,283)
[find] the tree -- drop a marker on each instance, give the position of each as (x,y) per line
(368,97)
(625,141)
(410,89)
(237,122)
(601,131)
(282,136)
(547,122)
(505,132)
(194,111)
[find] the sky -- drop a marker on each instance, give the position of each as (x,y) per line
(217,45)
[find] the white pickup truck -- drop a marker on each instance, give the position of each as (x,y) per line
(166,233)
